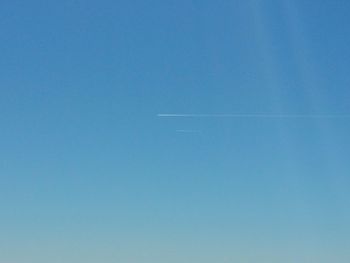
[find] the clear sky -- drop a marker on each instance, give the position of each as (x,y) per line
(89,172)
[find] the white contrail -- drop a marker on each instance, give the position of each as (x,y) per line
(188,131)
(277,116)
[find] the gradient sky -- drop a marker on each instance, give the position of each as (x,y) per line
(89,173)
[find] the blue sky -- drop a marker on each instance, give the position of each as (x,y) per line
(90,173)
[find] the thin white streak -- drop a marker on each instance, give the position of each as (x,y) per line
(276,116)
(188,131)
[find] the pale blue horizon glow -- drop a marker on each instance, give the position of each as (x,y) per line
(174,131)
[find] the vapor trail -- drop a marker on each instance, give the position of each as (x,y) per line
(188,131)
(276,116)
